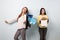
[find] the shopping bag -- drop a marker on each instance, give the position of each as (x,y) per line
(31,20)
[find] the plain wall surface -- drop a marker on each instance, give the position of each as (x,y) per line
(10,9)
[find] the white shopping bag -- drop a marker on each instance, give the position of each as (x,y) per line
(44,23)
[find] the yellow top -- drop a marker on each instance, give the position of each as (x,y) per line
(41,17)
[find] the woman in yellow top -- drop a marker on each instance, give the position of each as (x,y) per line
(42,23)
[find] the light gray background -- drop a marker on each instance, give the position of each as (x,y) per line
(11,9)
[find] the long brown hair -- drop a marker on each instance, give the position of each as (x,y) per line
(22,12)
(41,11)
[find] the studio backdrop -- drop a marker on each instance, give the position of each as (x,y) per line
(10,9)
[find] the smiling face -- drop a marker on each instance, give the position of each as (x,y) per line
(42,11)
(24,10)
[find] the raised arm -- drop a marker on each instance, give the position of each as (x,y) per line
(9,21)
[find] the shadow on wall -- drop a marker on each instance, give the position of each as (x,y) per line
(50,30)
(33,32)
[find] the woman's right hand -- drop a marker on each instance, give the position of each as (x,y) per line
(6,21)
(40,22)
